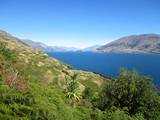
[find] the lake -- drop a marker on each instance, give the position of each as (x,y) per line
(109,64)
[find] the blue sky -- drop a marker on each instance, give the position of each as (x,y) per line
(79,23)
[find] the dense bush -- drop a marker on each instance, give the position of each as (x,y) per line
(7,53)
(132,93)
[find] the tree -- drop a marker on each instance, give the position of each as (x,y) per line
(72,89)
(130,92)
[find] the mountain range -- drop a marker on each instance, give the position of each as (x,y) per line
(144,43)
(47,48)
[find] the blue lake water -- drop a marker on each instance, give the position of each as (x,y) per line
(109,64)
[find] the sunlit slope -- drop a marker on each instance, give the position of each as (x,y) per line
(38,66)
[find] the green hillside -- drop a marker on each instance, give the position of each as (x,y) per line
(34,86)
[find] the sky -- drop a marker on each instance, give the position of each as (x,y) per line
(79,23)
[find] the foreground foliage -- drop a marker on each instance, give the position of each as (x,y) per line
(24,97)
(131,93)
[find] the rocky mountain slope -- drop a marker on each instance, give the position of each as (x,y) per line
(145,43)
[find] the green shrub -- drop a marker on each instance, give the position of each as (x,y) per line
(7,53)
(132,93)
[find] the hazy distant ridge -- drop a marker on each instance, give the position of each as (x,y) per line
(91,48)
(47,48)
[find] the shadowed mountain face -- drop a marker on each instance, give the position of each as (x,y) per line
(145,43)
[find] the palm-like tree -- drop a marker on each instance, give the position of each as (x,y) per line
(72,89)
